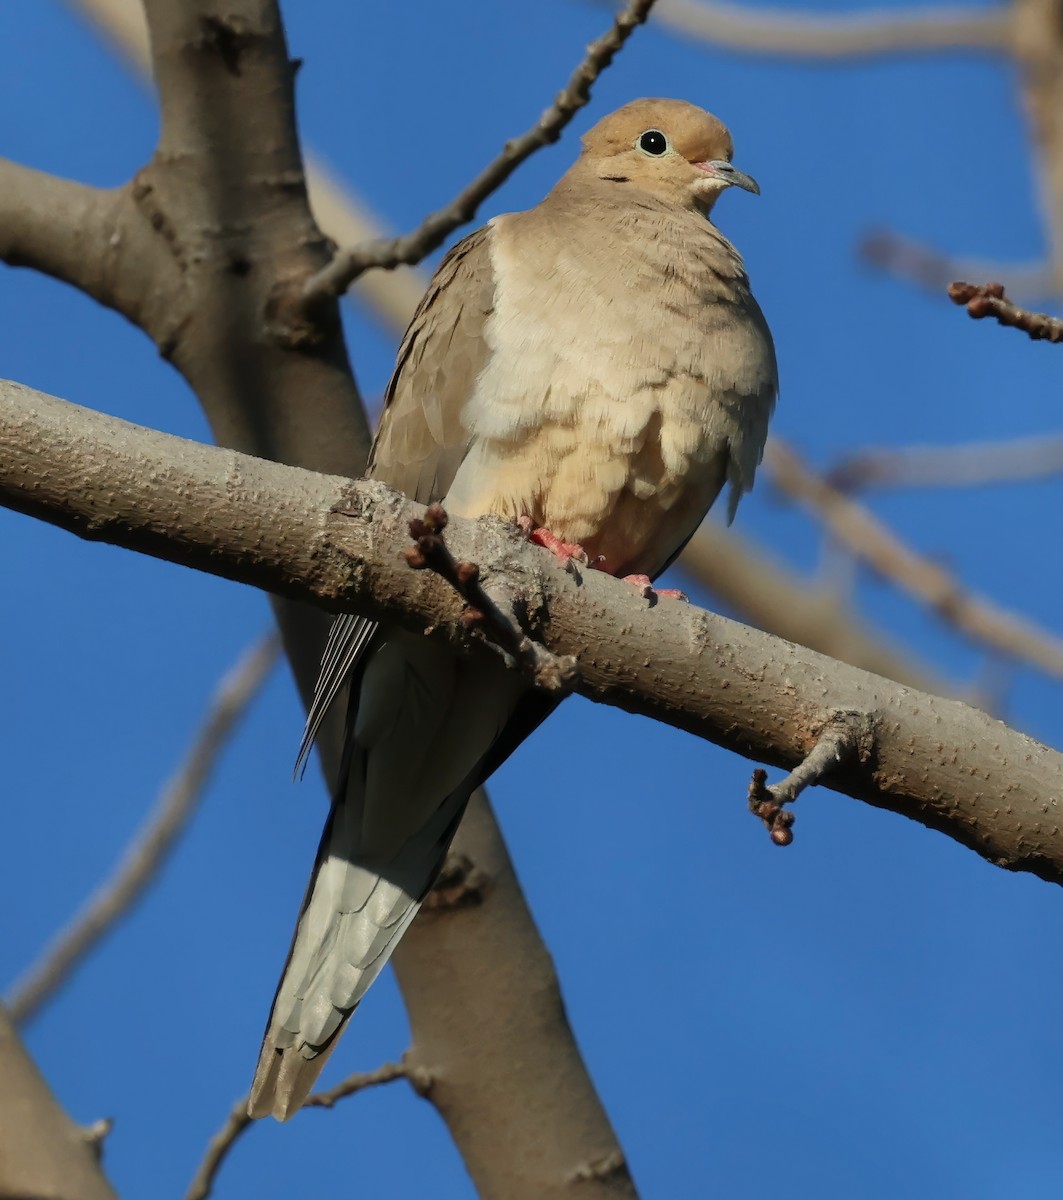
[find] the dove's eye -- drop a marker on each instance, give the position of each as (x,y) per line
(653,142)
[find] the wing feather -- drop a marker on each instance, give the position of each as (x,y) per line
(421,440)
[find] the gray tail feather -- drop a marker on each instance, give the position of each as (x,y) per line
(353,916)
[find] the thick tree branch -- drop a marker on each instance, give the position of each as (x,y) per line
(771,597)
(865,537)
(442,980)
(334,279)
(43,1154)
(340,544)
(838,36)
(148,851)
(53,225)
(83,236)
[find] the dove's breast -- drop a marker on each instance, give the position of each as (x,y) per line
(609,417)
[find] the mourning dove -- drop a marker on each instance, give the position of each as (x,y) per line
(596,368)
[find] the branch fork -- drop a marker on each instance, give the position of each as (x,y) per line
(552,673)
(846,734)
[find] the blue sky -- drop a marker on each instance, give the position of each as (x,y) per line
(882,1001)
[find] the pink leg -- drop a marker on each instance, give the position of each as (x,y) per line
(543,537)
(645,586)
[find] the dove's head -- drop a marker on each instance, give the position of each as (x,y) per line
(674,150)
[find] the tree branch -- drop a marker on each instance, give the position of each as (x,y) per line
(222,1143)
(148,851)
(839,36)
(334,279)
(972,464)
(932,270)
(846,735)
(78,234)
(989,300)
(340,544)
(459,951)
(43,1154)
(1038,53)
(771,597)
(865,537)
(50,224)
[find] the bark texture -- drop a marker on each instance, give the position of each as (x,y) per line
(339,543)
(43,1154)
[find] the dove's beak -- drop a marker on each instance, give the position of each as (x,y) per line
(729,175)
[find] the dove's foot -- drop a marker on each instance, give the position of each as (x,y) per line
(645,586)
(543,537)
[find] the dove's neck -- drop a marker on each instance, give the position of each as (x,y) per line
(609,178)
(583,209)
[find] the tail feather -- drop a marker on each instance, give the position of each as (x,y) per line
(339,951)
(422,724)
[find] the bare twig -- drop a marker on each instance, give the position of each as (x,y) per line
(391,295)
(974,464)
(353,1084)
(221,1144)
(839,739)
(146,854)
(218,1149)
(927,581)
(839,36)
(548,671)
(95,1135)
(929,268)
(989,300)
(348,264)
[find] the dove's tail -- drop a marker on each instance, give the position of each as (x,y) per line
(353,917)
(418,741)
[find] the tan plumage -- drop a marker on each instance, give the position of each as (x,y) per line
(596,364)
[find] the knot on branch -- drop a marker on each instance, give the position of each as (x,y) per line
(228,37)
(845,735)
(95,1135)
(461,884)
(611,1167)
(419,1078)
(292,324)
(430,552)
